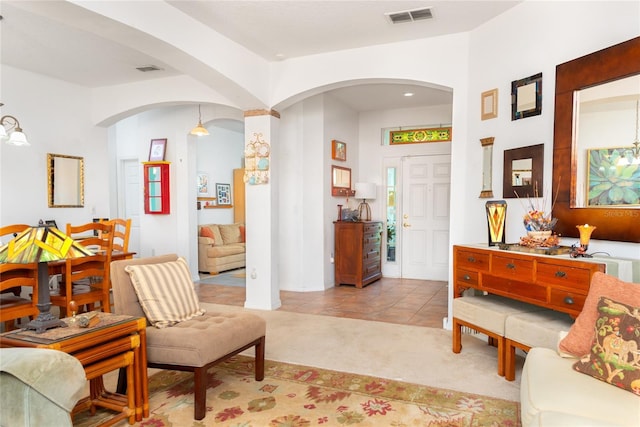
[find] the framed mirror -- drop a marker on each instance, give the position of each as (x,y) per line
(523,172)
(341,181)
(617,223)
(487,167)
(526,97)
(65,179)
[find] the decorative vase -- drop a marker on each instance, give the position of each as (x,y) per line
(539,235)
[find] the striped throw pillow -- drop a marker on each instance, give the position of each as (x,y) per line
(165,292)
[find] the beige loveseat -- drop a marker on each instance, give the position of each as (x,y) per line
(221,247)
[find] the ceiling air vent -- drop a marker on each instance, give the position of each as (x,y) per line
(410,15)
(147,68)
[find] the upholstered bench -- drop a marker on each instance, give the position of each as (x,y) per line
(533,329)
(486,314)
(194,344)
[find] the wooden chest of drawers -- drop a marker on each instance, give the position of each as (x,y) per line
(357,255)
(560,284)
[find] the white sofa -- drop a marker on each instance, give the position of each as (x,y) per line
(553,394)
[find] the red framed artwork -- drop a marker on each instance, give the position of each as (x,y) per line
(338,150)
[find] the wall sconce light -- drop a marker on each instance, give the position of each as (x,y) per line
(364,191)
(585,237)
(15,136)
(199,130)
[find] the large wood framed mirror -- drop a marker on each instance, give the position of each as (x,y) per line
(616,222)
(65,177)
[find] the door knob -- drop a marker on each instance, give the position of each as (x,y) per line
(405,216)
(405,224)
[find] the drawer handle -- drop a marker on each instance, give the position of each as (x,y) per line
(467,277)
(568,300)
(471,259)
(561,274)
(511,266)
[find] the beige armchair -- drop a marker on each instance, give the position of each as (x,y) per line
(39,387)
(193,345)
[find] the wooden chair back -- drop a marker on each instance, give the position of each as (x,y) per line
(121,232)
(13,307)
(7,233)
(86,280)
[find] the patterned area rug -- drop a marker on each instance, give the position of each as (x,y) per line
(301,396)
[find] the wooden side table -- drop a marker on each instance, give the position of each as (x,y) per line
(104,347)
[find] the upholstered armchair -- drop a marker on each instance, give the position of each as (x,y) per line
(38,387)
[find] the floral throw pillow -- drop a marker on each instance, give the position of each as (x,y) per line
(615,353)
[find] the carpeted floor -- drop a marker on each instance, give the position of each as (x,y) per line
(298,396)
(228,278)
(412,354)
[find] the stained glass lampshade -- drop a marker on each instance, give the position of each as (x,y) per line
(41,245)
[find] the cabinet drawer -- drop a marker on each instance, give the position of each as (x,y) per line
(472,260)
(372,229)
(564,276)
(508,287)
(516,268)
(570,302)
(372,255)
(467,277)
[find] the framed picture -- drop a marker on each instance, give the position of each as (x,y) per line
(608,182)
(203,184)
(489,104)
(338,150)
(157,150)
(526,97)
(223,194)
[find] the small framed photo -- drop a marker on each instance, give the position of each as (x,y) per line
(489,104)
(223,194)
(526,97)
(203,184)
(338,150)
(157,150)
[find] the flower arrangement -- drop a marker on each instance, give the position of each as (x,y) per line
(539,224)
(535,218)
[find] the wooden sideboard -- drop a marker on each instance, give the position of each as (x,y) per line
(557,283)
(358,252)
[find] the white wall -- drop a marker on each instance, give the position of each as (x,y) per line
(217,155)
(530,38)
(56,119)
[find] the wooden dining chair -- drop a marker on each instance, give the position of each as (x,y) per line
(12,307)
(121,232)
(86,280)
(7,233)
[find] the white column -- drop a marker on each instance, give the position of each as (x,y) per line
(262,250)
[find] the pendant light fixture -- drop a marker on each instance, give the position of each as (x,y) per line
(199,130)
(632,154)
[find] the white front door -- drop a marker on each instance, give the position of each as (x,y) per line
(426,183)
(129,199)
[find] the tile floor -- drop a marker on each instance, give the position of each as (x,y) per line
(402,301)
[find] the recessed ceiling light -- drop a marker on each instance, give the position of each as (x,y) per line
(408,94)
